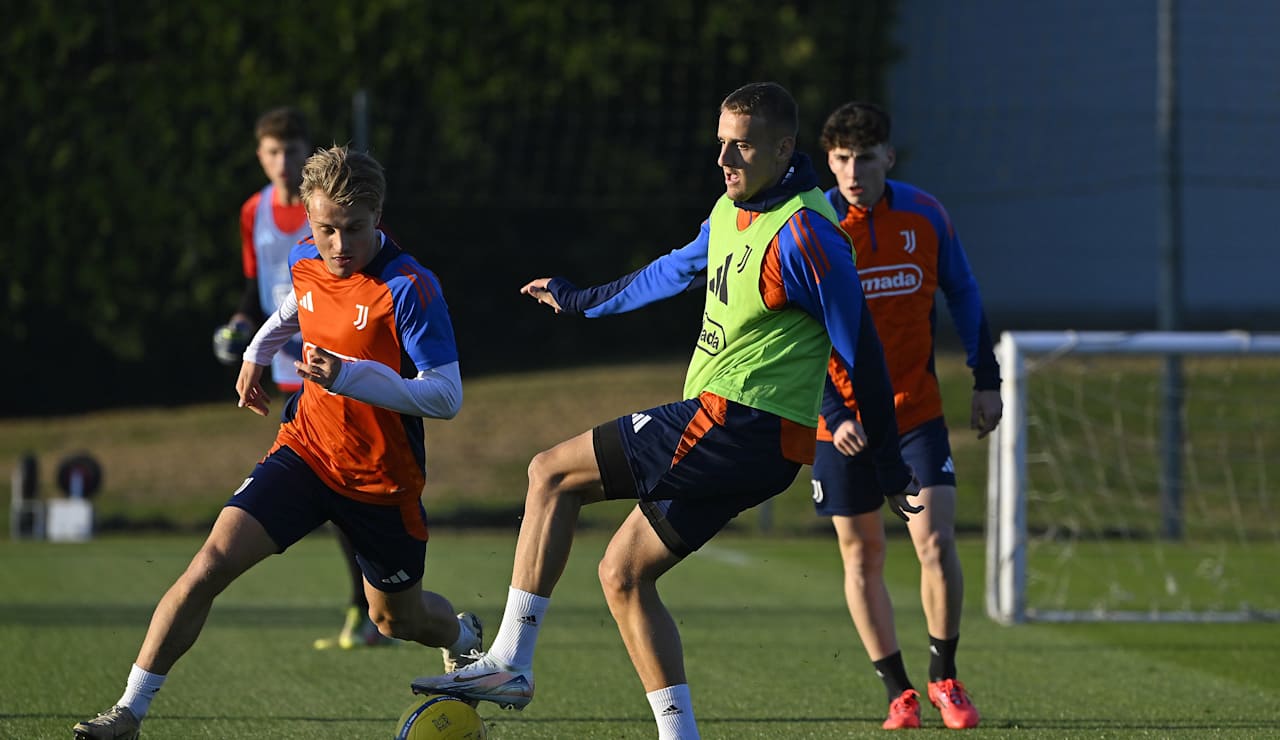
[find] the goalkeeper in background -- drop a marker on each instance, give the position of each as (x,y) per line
(272,221)
(906,249)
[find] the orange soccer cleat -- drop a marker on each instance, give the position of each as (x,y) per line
(949,696)
(904,712)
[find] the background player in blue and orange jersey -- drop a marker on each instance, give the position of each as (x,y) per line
(379,355)
(272,221)
(778,271)
(906,250)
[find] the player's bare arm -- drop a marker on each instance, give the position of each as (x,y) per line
(537,290)
(985,412)
(249,388)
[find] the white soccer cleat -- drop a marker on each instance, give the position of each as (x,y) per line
(117,723)
(484,680)
(472,652)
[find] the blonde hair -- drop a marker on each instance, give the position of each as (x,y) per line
(345,177)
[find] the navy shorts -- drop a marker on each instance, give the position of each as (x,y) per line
(847,486)
(693,468)
(290,500)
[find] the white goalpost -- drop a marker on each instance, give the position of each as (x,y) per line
(1093,515)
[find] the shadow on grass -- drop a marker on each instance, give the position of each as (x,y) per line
(1025,723)
(121,615)
(1149,646)
(497,517)
(256,615)
(73,718)
(1103,724)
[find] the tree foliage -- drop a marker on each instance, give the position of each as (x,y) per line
(521,138)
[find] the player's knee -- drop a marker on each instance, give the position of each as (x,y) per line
(208,574)
(616,580)
(540,470)
(934,549)
(390,624)
(862,556)
(546,474)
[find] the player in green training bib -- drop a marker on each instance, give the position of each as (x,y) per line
(781,291)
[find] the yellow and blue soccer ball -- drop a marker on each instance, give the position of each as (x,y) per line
(440,717)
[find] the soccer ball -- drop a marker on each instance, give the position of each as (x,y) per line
(230,341)
(440,717)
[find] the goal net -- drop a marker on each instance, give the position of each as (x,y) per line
(1094,514)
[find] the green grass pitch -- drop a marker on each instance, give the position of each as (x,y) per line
(770,649)
(769,646)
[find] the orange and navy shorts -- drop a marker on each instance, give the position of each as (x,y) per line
(694,465)
(289,500)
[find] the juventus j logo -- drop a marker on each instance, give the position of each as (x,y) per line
(910,236)
(362,316)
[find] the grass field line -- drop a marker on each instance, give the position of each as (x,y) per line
(726,555)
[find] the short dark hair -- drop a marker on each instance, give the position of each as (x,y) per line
(856,125)
(770,101)
(282,123)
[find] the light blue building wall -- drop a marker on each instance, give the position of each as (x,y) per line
(1034,123)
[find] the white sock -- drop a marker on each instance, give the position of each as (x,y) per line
(139,690)
(519,630)
(673,710)
(465,637)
